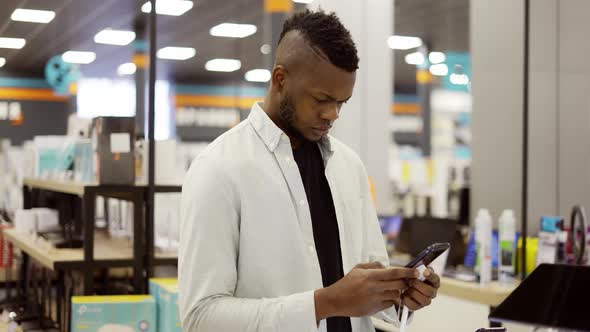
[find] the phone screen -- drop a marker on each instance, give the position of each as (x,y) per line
(429,254)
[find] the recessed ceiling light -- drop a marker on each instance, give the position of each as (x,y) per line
(128,68)
(14,43)
(439,69)
(176,53)
(403,42)
(437,57)
(223,65)
(415,58)
(265,49)
(258,75)
(114,37)
(168,7)
(79,57)
(233,30)
(2,62)
(32,15)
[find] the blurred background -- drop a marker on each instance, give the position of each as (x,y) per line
(462,109)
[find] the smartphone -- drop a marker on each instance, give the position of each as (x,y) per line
(428,255)
(492,329)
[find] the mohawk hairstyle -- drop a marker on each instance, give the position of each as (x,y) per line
(324,32)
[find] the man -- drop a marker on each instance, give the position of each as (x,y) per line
(278,230)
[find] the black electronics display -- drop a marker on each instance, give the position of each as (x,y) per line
(552,296)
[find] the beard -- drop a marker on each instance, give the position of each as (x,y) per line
(288,118)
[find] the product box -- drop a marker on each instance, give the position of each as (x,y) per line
(165,291)
(124,313)
(115,145)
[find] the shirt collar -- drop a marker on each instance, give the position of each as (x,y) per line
(271,134)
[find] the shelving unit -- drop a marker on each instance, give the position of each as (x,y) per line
(99,249)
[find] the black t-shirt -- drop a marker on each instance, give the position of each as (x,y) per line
(323,218)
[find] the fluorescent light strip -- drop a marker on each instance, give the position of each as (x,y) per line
(168,7)
(439,69)
(176,53)
(303,1)
(2,62)
(114,37)
(128,68)
(223,65)
(404,42)
(258,75)
(233,30)
(32,15)
(415,58)
(13,43)
(437,57)
(78,57)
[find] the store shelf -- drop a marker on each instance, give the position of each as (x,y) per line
(78,188)
(117,252)
(165,258)
(491,294)
(66,187)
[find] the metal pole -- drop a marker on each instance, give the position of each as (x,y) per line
(525,138)
(151,141)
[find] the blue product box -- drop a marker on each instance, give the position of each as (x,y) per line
(124,313)
(165,291)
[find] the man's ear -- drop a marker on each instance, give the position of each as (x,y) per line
(279,74)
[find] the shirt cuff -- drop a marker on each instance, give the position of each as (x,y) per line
(301,312)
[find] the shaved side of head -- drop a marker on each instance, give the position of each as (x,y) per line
(295,53)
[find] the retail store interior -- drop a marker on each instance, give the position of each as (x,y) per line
(471,118)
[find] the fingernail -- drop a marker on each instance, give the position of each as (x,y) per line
(427,273)
(416,273)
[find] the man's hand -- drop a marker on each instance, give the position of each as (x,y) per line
(421,293)
(367,289)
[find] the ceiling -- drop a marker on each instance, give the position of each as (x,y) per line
(442,24)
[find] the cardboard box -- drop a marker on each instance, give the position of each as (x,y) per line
(123,313)
(165,291)
(116,149)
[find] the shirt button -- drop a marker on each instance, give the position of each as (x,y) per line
(288,159)
(311,250)
(302,202)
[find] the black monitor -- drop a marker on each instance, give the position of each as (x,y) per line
(417,233)
(552,296)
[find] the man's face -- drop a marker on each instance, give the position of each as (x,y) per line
(312,98)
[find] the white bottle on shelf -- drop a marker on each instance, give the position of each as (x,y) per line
(506,250)
(483,242)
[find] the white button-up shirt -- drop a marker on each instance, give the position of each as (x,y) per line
(247,259)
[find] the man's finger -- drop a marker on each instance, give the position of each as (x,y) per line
(432,278)
(424,288)
(395,273)
(399,284)
(371,265)
(391,296)
(418,297)
(411,304)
